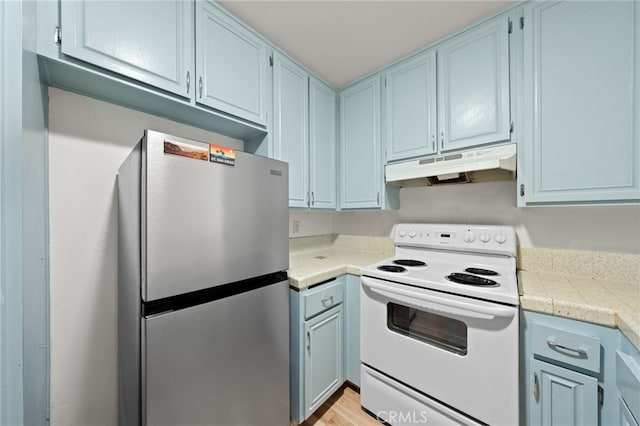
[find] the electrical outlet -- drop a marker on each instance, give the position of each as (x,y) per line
(295,227)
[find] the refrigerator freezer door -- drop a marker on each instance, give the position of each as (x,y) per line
(221,363)
(205,223)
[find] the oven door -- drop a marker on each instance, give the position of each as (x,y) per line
(460,351)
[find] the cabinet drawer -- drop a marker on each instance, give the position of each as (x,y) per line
(567,347)
(323,297)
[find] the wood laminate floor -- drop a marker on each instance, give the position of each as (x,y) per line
(343,409)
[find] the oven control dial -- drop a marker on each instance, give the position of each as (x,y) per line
(402,234)
(469,237)
(501,238)
(484,237)
(412,234)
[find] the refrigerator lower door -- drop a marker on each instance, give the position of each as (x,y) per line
(224,362)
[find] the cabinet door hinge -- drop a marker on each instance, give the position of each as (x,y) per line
(510,26)
(521,22)
(270,61)
(57,35)
(600,395)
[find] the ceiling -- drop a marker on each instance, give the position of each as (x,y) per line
(341,41)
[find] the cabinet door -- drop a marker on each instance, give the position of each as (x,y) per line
(562,397)
(323,358)
(151,42)
(231,64)
(290,123)
(322,145)
(581,91)
(360,165)
(626,418)
(410,107)
(473,87)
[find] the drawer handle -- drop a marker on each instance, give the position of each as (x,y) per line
(580,352)
(327,302)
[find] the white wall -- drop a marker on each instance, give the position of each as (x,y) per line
(598,228)
(310,223)
(88,140)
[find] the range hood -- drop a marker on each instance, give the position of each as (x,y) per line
(480,165)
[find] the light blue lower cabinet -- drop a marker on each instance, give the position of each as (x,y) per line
(628,383)
(568,372)
(626,418)
(317,332)
(323,372)
(562,397)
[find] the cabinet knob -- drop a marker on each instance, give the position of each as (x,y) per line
(536,387)
(188,80)
(200,86)
(441,140)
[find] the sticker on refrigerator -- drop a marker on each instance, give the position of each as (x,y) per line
(186,150)
(222,154)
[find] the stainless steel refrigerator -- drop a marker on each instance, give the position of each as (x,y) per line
(203,305)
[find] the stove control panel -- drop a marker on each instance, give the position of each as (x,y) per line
(475,238)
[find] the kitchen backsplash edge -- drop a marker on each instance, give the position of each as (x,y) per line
(579,263)
(382,245)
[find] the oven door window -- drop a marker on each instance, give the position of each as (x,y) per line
(446,333)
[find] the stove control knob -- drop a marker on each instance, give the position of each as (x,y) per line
(500,238)
(412,234)
(469,237)
(402,234)
(484,237)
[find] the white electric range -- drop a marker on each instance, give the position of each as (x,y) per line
(439,327)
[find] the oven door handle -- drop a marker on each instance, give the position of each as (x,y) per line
(456,307)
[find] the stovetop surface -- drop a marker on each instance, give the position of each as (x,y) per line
(441,263)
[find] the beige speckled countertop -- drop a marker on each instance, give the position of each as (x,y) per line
(566,283)
(317,259)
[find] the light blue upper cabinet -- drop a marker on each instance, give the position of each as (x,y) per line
(360,150)
(322,145)
(290,125)
(410,107)
(151,42)
(473,87)
(231,64)
(581,102)
(304,134)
